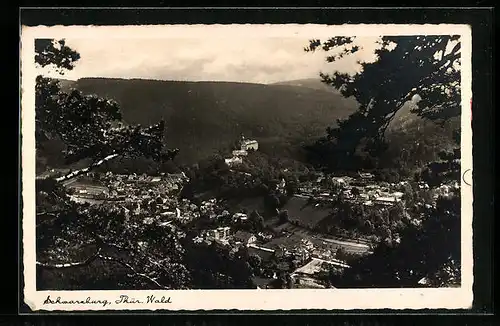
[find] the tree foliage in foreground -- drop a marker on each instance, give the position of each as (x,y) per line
(72,237)
(89,126)
(405,66)
(425,72)
(430,250)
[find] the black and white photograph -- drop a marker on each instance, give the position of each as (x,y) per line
(299,166)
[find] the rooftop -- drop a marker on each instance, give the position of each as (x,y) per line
(286,241)
(248,141)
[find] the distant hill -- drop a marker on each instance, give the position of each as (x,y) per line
(207,117)
(417,141)
(312,83)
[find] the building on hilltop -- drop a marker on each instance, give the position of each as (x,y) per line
(281,187)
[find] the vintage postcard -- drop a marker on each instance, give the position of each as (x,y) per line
(248,167)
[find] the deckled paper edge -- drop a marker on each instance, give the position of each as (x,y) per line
(189,300)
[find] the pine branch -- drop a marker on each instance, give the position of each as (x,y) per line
(86,262)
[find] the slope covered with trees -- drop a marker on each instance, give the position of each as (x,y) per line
(413,76)
(79,246)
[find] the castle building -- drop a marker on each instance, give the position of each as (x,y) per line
(248,144)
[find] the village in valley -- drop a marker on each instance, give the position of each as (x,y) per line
(290,247)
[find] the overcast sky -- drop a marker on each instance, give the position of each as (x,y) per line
(256,59)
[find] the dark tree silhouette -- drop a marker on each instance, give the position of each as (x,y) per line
(407,68)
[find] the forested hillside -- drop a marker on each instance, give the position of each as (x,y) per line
(203,118)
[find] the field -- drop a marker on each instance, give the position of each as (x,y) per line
(295,233)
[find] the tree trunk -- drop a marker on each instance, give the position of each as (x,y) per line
(86,262)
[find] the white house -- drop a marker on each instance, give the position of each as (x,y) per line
(218,234)
(366,175)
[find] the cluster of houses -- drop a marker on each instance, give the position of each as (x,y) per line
(96,188)
(154,199)
(246,145)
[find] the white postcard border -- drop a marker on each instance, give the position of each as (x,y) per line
(331,299)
